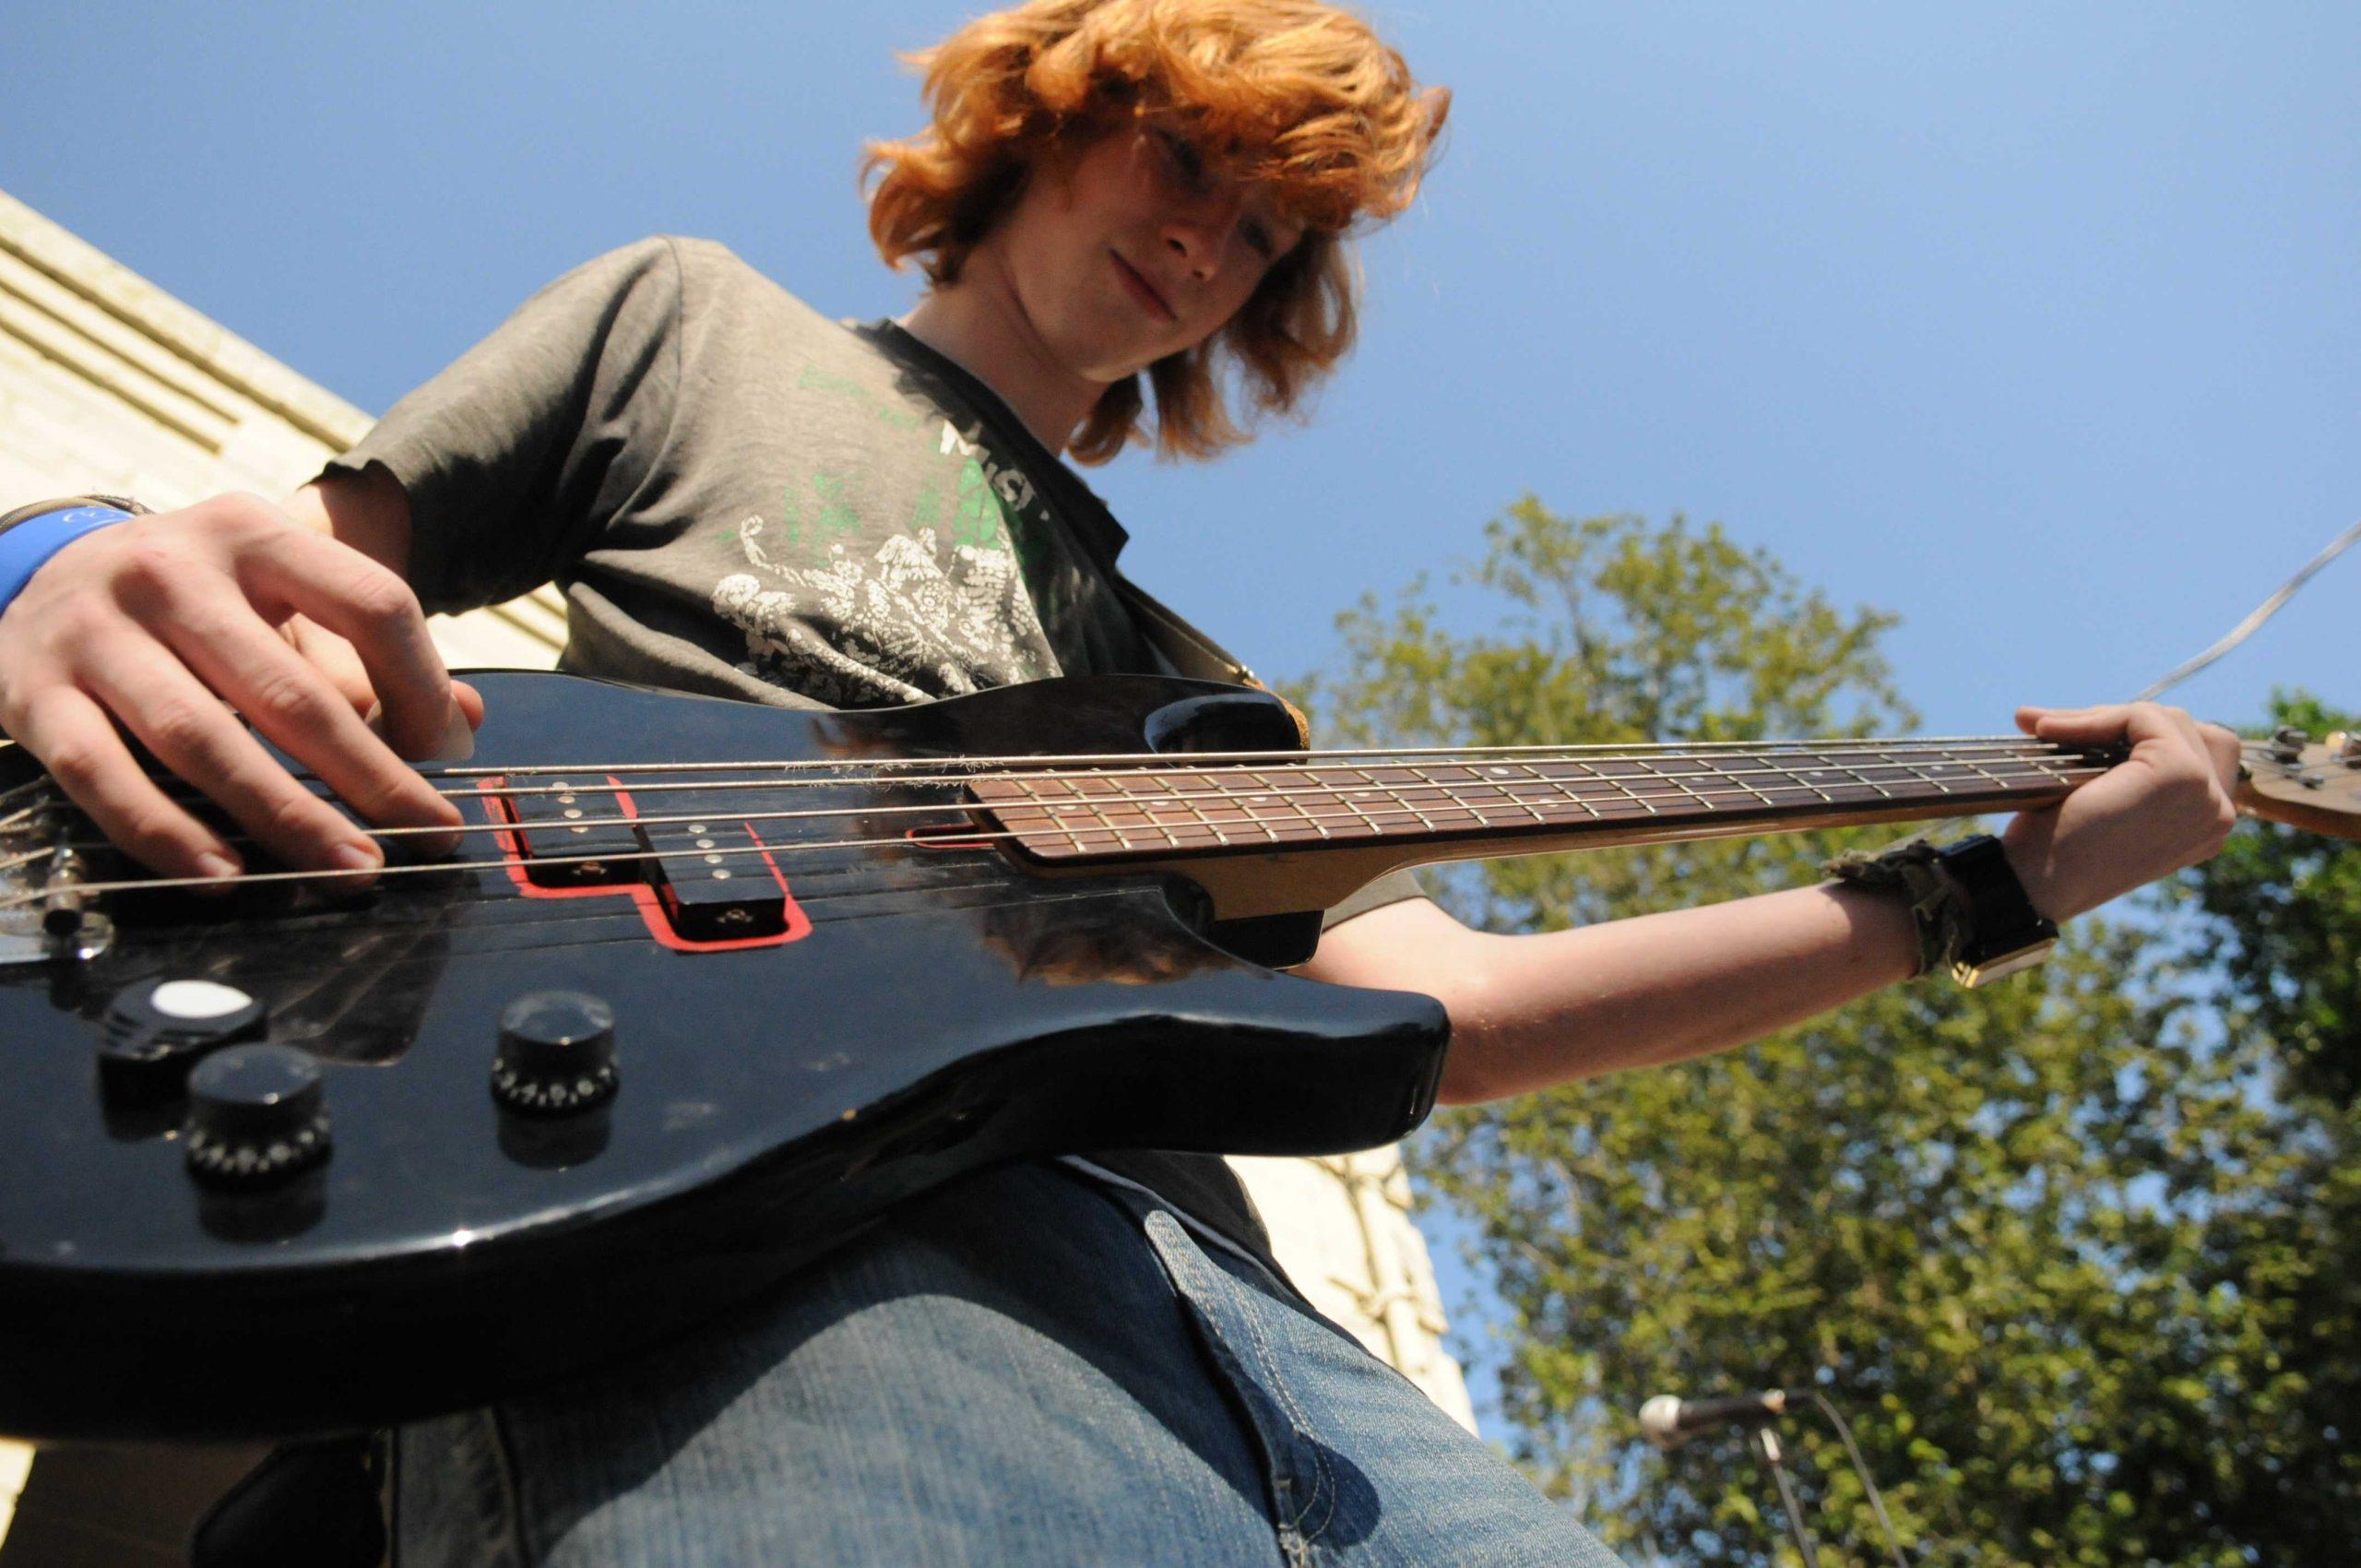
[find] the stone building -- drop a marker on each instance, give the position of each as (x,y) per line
(109,384)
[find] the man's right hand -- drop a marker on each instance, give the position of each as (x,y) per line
(166,623)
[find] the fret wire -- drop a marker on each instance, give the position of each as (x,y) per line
(1184,811)
(1355,807)
(1093,801)
(1287,800)
(1684,788)
(1197,806)
(1305,812)
(1861,775)
(1635,794)
(1032,788)
(1400,799)
(1254,818)
(1919,772)
(1569,795)
(1520,800)
(1754,789)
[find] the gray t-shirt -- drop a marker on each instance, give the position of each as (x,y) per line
(742,498)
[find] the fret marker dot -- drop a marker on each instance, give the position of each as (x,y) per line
(713,861)
(704,843)
(577,812)
(696,827)
(721,876)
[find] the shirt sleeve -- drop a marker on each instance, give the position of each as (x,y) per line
(1394,887)
(512,456)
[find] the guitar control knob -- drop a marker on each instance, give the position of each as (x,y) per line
(157,1030)
(257,1114)
(557,1053)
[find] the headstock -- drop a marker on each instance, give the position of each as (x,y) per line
(2314,785)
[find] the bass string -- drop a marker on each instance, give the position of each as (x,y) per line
(1559,794)
(955,838)
(1122,764)
(1609,786)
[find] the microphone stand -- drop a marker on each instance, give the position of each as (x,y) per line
(1765,1444)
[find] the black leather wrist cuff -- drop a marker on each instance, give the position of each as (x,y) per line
(2002,932)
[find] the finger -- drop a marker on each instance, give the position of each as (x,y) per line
(2106,721)
(198,738)
(470,703)
(333,656)
(2227,750)
(78,743)
(296,707)
(377,613)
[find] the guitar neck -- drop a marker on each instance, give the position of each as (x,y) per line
(1265,834)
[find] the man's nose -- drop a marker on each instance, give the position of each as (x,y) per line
(1199,233)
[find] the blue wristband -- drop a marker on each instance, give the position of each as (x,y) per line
(26,548)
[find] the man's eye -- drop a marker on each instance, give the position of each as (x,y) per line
(1257,236)
(1184,156)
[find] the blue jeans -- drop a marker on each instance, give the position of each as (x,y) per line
(1033,1367)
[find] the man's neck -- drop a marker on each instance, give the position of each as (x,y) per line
(979,324)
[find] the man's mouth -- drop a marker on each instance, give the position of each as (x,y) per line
(1143,291)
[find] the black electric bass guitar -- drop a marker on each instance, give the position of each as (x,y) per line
(707,985)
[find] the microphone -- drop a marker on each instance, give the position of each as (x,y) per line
(1669,1420)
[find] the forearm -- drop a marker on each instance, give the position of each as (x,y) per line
(1528,1012)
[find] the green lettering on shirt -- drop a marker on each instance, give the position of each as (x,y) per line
(977,520)
(815,528)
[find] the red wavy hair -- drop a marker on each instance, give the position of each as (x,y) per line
(1296,93)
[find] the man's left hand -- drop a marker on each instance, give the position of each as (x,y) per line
(2166,806)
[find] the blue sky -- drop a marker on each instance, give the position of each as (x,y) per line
(2035,323)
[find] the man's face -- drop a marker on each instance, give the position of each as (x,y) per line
(1134,249)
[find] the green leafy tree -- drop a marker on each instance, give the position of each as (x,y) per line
(2278,913)
(2032,1239)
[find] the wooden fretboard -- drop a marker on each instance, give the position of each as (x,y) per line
(1460,804)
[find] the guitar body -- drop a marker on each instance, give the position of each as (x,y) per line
(911,1003)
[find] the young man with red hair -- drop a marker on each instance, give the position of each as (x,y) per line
(1088,1361)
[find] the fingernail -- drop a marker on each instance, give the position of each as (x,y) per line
(359,857)
(216,865)
(458,741)
(434,846)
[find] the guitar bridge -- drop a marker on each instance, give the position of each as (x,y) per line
(45,913)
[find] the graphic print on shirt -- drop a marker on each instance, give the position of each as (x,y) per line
(935,608)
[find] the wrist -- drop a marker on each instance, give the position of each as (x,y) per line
(1974,916)
(30,535)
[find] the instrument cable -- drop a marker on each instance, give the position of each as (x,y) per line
(2261,613)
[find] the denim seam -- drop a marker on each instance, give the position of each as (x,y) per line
(1205,1234)
(513,1516)
(1263,1360)
(1251,1360)
(1323,1482)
